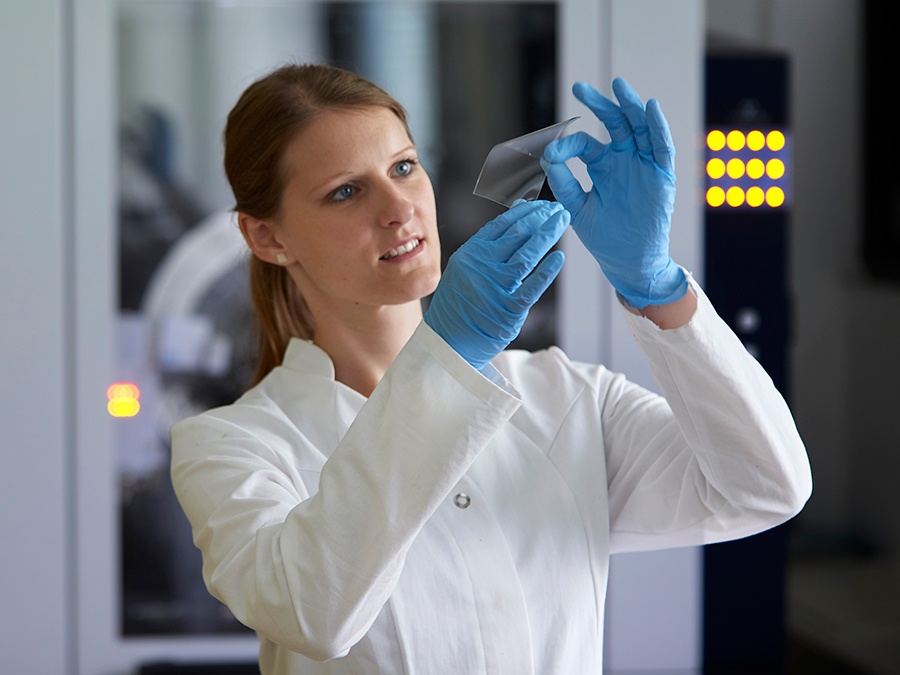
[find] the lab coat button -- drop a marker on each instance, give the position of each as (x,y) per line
(462,500)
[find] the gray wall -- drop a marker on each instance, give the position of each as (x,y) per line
(33,307)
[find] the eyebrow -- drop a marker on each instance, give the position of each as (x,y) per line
(337,176)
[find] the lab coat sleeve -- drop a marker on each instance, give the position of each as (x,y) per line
(720,458)
(311,573)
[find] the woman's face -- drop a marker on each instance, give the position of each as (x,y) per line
(358,212)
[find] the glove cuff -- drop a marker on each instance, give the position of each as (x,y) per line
(473,356)
(667,285)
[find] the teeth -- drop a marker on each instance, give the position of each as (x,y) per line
(400,250)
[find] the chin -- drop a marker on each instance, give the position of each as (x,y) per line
(430,286)
(422,291)
(425,284)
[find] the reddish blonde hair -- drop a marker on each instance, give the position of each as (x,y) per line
(267,117)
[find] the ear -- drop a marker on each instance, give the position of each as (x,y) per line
(262,239)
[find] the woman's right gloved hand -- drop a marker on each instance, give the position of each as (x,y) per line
(625,218)
(494,278)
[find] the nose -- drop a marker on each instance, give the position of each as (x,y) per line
(396,207)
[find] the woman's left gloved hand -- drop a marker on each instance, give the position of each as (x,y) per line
(624,220)
(493,279)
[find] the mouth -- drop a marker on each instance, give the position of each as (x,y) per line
(402,249)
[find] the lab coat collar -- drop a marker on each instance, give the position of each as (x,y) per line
(303,356)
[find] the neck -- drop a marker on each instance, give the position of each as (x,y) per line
(363,346)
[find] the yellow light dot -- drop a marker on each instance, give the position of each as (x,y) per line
(735,140)
(123,407)
(775,140)
(755,196)
(715,168)
(735,168)
(774,168)
(715,140)
(756,140)
(715,196)
(756,168)
(774,196)
(734,196)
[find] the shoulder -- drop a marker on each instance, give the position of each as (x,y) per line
(252,415)
(283,414)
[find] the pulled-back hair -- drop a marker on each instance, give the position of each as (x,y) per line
(267,117)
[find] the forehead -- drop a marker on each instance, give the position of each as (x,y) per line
(339,140)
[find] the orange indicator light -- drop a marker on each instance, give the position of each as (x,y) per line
(735,140)
(123,399)
(715,140)
(715,168)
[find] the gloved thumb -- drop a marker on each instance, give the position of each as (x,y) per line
(564,185)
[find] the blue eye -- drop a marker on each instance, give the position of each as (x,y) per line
(343,193)
(405,168)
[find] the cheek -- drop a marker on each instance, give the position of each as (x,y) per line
(426,207)
(327,248)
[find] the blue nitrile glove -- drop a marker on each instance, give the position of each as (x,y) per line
(494,278)
(624,219)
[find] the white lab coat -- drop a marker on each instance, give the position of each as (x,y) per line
(456,522)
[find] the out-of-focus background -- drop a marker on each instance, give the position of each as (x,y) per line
(125,307)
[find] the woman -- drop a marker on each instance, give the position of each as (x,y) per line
(399,494)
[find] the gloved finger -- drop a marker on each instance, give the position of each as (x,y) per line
(609,113)
(660,137)
(539,281)
(497,227)
(524,229)
(581,145)
(522,263)
(634,110)
(564,185)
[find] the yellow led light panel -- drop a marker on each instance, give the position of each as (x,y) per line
(747,168)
